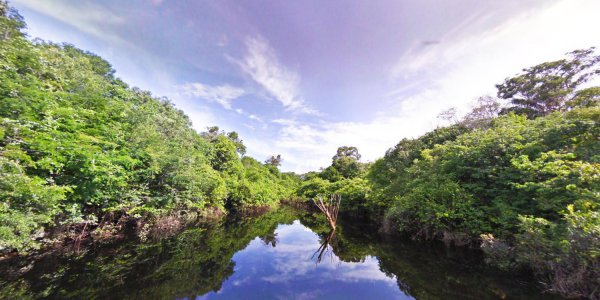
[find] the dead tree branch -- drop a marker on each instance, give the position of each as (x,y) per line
(330,209)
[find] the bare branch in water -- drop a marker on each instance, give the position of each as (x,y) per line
(330,209)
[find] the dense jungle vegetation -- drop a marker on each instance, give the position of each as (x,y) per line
(78,146)
(519,176)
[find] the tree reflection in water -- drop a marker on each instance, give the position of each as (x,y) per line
(260,258)
(325,247)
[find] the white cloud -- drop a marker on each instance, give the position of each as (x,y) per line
(525,39)
(258,120)
(223,94)
(293,260)
(307,147)
(250,127)
(255,118)
(201,116)
(262,65)
(456,72)
(87,17)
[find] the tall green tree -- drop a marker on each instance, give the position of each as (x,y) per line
(346,162)
(549,86)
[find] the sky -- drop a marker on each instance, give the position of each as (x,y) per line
(301,78)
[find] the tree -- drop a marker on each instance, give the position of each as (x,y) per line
(448,115)
(345,162)
(347,151)
(585,98)
(240,148)
(274,160)
(213,132)
(11,22)
(549,86)
(78,145)
(480,116)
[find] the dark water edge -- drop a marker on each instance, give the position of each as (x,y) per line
(273,255)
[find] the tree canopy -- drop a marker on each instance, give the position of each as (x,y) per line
(550,86)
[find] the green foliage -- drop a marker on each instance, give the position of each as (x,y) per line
(345,177)
(28,204)
(551,86)
(554,180)
(11,22)
(568,250)
(482,114)
(526,186)
(585,98)
(274,161)
(354,192)
(262,185)
(388,175)
(345,164)
(510,184)
(77,143)
(434,206)
(313,187)
(493,168)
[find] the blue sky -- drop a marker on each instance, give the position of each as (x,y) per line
(300,78)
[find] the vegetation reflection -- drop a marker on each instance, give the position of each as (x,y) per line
(199,260)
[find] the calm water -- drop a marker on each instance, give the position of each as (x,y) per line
(283,254)
(288,268)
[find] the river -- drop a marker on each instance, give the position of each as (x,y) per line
(283,254)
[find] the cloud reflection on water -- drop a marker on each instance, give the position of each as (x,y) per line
(289,271)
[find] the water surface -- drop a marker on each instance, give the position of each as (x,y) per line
(288,267)
(283,254)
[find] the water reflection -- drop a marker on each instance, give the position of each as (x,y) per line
(284,254)
(290,271)
(326,247)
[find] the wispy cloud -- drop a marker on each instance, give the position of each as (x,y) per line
(422,56)
(515,26)
(255,118)
(261,64)
(222,94)
(88,17)
(308,146)
(200,115)
(466,64)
